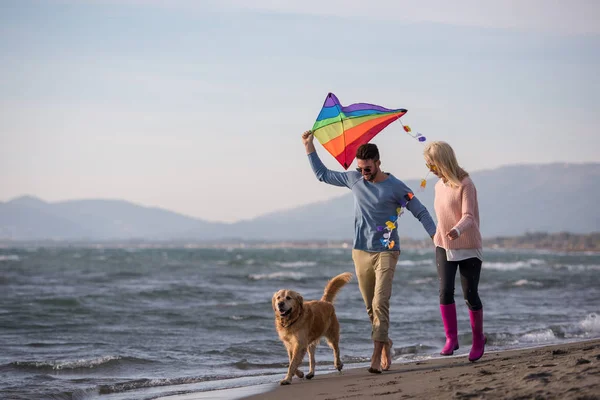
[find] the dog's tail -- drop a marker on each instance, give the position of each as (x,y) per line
(334,286)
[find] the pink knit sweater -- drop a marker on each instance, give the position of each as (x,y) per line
(457,208)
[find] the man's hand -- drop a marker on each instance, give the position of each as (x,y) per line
(307,139)
(453,234)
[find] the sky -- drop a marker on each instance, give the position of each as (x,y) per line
(198,106)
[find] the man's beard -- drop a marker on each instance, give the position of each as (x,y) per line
(371,177)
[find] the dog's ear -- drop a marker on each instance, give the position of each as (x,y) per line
(273,301)
(300,300)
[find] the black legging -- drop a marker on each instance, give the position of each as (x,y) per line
(470,269)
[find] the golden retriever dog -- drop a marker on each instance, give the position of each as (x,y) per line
(301,325)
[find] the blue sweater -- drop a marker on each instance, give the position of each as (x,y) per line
(374,205)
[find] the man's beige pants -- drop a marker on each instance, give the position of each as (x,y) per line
(375,273)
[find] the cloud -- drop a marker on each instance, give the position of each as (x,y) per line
(562,17)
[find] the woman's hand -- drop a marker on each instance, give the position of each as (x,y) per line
(453,234)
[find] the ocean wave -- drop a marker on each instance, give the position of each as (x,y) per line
(247,317)
(62,344)
(511,266)
(70,302)
(278,276)
(588,327)
(539,336)
(336,251)
(498,339)
(422,281)
(578,267)
(245,365)
(296,264)
(9,257)
(502,339)
(355,359)
(42,392)
(118,275)
(411,349)
(591,323)
(150,383)
(525,282)
(95,363)
(411,263)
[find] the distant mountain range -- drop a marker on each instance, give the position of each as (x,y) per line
(513,200)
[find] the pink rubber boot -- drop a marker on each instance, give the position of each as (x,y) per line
(479,338)
(448,312)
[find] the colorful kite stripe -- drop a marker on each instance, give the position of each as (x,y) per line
(341,130)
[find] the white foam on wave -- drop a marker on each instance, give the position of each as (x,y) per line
(525,282)
(411,263)
(511,266)
(506,338)
(75,364)
(296,264)
(538,337)
(536,261)
(9,257)
(591,323)
(422,281)
(283,275)
(337,251)
(579,267)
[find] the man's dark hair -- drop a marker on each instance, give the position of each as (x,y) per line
(367,151)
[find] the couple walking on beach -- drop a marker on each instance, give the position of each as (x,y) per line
(380,198)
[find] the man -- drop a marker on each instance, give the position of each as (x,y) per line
(376,249)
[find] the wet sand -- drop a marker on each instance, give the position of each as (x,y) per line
(565,371)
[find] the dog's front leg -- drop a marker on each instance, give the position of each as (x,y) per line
(311,360)
(299,373)
(298,353)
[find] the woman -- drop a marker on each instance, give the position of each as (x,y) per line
(458,244)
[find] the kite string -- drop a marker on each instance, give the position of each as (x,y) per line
(421,139)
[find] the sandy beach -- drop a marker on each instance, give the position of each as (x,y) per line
(566,371)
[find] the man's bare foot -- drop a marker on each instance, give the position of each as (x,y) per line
(375,365)
(386,355)
(376,357)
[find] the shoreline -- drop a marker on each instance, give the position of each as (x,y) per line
(410,244)
(559,371)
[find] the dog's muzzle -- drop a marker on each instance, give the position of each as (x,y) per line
(284,313)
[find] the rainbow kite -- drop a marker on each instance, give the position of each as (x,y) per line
(341,130)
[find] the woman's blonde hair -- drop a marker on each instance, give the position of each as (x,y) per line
(442,156)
